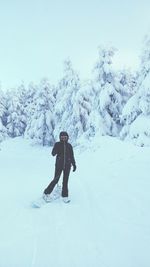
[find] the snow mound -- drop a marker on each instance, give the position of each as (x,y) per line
(140,131)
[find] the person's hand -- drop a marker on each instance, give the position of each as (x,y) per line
(74,168)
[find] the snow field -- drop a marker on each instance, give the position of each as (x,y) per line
(106,224)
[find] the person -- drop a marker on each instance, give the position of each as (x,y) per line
(64,160)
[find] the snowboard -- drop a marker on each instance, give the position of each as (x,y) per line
(41,201)
(56,194)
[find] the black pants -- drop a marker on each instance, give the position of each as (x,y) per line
(57,175)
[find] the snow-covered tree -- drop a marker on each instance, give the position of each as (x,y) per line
(145,60)
(91,121)
(136,112)
(3,130)
(127,83)
(21,93)
(83,108)
(41,124)
(15,118)
(108,98)
(66,111)
(30,100)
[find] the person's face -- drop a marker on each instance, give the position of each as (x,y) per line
(64,138)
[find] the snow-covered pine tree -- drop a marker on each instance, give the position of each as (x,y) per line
(66,110)
(3,119)
(136,113)
(83,108)
(30,104)
(91,121)
(108,97)
(145,60)
(41,125)
(15,118)
(23,104)
(127,83)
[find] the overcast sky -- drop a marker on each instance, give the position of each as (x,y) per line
(36,36)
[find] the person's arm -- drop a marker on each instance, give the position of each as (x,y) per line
(73,159)
(55,149)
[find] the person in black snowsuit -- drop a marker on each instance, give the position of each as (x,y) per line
(64,161)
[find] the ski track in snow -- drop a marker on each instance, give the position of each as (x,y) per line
(92,215)
(33,263)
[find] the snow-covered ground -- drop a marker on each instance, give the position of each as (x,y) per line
(107,222)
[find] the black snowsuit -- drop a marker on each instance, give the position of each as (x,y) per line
(64,160)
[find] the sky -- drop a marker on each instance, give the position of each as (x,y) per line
(36,36)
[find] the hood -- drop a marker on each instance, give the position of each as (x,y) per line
(63,134)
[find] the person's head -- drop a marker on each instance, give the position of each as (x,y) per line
(63,136)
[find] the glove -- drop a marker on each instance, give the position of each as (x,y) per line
(74,168)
